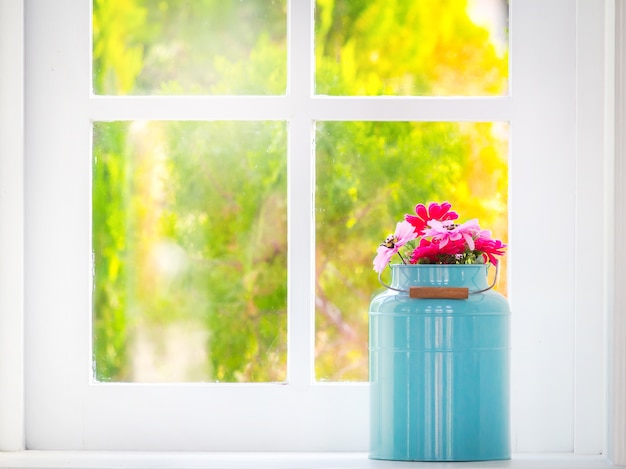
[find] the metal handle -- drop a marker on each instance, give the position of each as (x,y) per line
(441,292)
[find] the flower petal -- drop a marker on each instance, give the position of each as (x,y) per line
(421,211)
(470,241)
(434,211)
(383,257)
(404,233)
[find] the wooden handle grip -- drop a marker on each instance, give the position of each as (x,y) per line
(452,293)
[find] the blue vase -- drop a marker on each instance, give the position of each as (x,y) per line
(439,367)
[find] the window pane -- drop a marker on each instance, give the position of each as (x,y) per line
(157,47)
(190,246)
(368,175)
(411,48)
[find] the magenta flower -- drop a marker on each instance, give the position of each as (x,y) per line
(445,231)
(404,233)
(435,211)
(425,251)
(490,248)
(432,252)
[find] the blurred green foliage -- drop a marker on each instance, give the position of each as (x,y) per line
(190,218)
(109,245)
(369,174)
(161,47)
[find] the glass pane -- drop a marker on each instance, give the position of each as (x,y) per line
(190,251)
(368,175)
(411,48)
(161,47)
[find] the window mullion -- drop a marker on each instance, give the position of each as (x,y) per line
(300,154)
(395,109)
(190,108)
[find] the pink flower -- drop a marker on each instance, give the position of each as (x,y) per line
(433,252)
(426,250)
(435,211)
(490,248)
(447,230)
(404,233)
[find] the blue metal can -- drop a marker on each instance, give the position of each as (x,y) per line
(439,366)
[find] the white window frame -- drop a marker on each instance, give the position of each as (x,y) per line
(11,225)
(582,414)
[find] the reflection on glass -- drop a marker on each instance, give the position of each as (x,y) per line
(168,47)
(411,48)
(190,246)
(368,175)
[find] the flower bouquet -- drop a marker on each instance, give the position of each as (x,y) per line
(432,236)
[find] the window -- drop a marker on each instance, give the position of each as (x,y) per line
(190,218)
(66,410)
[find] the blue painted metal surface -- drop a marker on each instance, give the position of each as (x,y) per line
(439,369)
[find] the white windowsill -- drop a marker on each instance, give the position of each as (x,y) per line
(193,460)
